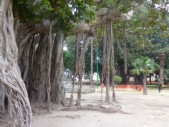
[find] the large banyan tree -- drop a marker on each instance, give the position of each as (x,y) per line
(41,52)
(40,43)
(106,17)
(18,110)
(33,39)
(108,14)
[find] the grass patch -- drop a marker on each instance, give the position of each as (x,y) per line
(152,86)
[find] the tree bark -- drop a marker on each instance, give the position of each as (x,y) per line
(125,64)
(44,54)
(19,109)
(29,81)
(162,57)
(112,71)
(57,86)
(39,72)
(80,67)
(74,72)
(48,68)
(144,85)
(91,63)
(106,57)
(125,56)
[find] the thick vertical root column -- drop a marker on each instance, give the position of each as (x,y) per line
(112,69)
(78,102)
(106,59)
(162,58)
(144,85)
(48,84)
(71,98)
(19,109)
(74,72)
(80,68)
(18,104)
(57,87)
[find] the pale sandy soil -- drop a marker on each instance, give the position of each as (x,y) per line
(139,110)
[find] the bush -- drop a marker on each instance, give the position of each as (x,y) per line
(166,76)
(117,79)
(152,86)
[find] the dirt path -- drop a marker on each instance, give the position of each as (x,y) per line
(139,111)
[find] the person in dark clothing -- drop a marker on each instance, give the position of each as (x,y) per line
(159,86)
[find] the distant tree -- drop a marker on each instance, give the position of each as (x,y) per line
(145,66)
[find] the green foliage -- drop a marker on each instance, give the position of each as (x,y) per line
(166,75)
(24,9)
(149,31)
(69,55)
(63,12)
(143,65)
(68,58)
(83,10)
(117,79)
(120,5)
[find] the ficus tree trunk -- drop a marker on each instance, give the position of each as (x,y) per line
(38,78)
(125,64)
(39,70)
(74,72)
(45,52)
(125,56)
(144,85)
(19,109)
(80,50)
(29,79)
(162,57)
(48,68)
(57,86)
(91,63)
(80,67)
(24,61)
(112,71)
(106,57)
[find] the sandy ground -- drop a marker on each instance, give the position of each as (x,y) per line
(150,110)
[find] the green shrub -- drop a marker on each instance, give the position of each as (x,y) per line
(152,86)
(117,79)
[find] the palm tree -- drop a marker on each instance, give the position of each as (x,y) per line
(144,66)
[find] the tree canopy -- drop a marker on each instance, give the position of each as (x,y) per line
(34,33)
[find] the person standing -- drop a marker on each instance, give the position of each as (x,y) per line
(159,86)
